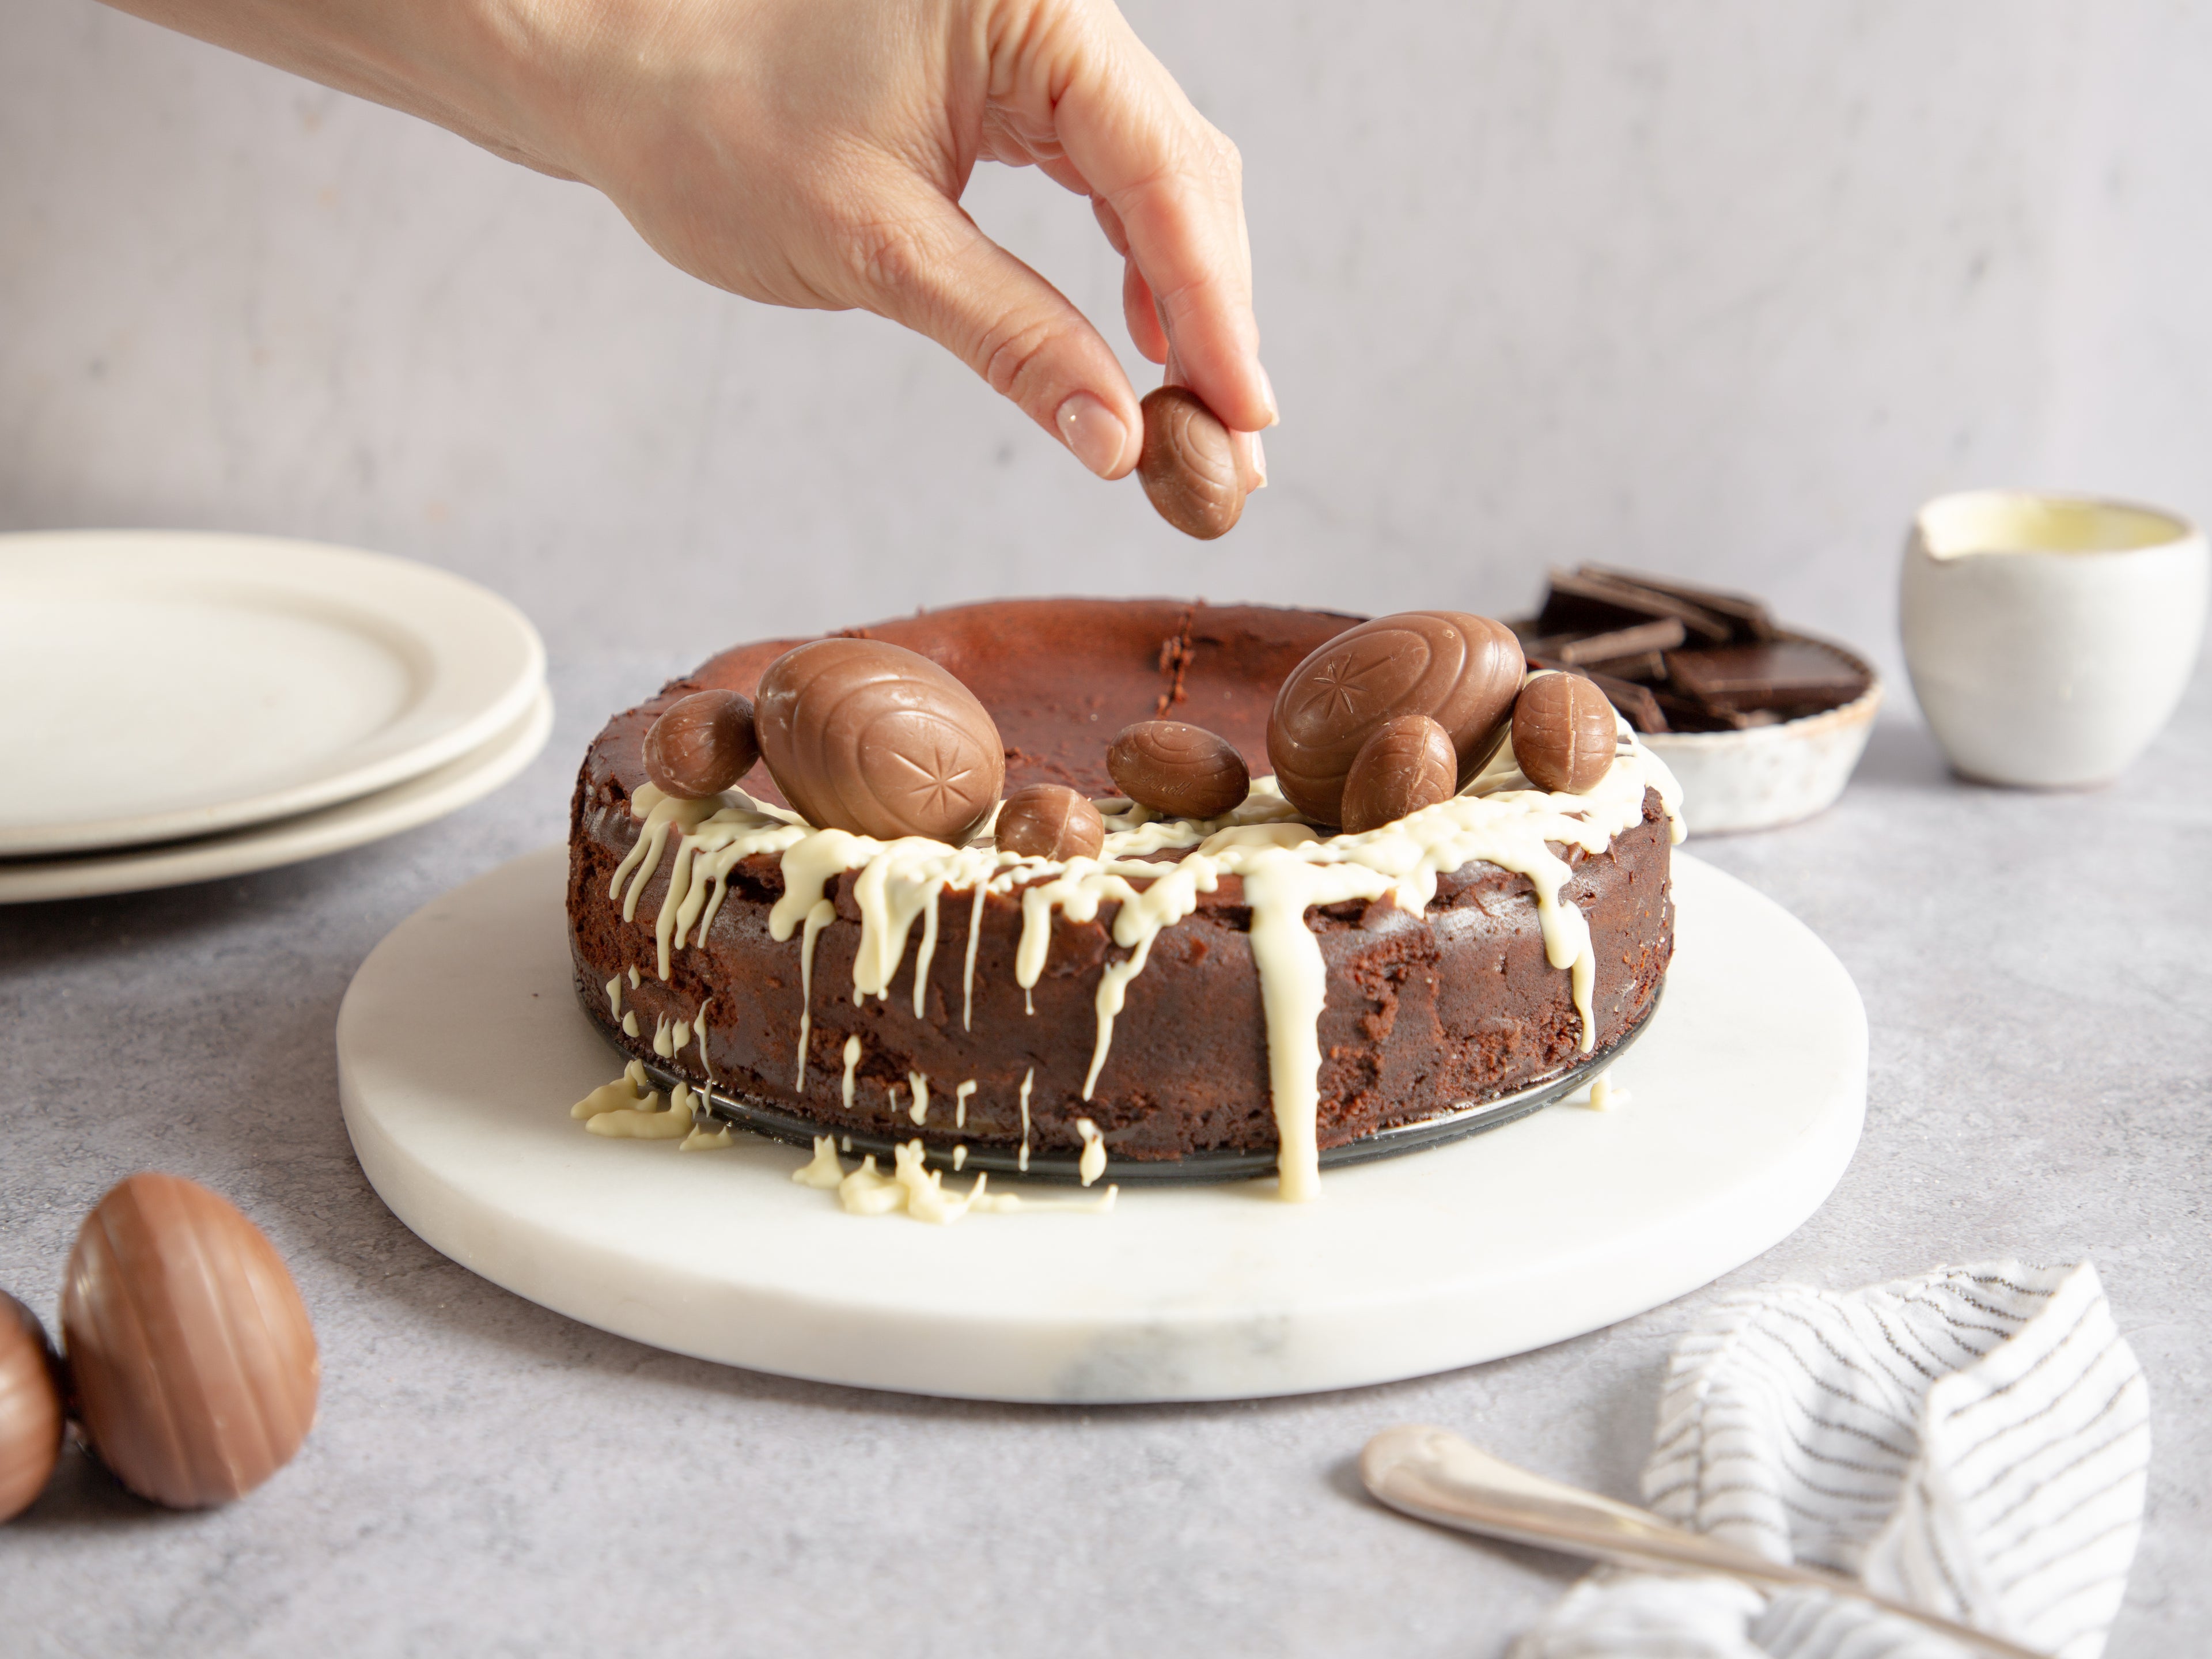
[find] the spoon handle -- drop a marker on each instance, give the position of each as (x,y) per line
(1434,1475)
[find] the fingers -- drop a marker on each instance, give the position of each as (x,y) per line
(931,269)
(1143,314)
(1172,188)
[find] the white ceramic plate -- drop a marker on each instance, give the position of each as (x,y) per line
(163,684)
(443,789)
(461,1048)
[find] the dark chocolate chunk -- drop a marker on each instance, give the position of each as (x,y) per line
(1793,675)
(868,737)
(1563,732)
(1188,465)
(1049,821)
(1406,763)
(701,744)
(1461,671)
(1585,604)
(1664,634)
(1748,618)
(1182,770)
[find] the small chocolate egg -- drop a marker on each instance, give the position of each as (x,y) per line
(1406,764)
(1563,732)
(1188,465)
(1460,670)
(867,736)
(701,744)
(1182,770)
(1050,821)
(30,1408)
(193,1359)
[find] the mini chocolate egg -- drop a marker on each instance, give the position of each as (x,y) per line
(1188,465)
(193,1359)
(1460,670)
(868,737)
(1050,821)
(1563,732)
(1182,770)
(30,1408)
(701,744)
(1406,764)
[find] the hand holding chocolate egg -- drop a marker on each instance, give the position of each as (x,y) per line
(1563,732)
(871,737)
(1188,465)
(1182,770)
(701,744)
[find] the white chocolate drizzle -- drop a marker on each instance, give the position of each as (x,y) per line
(919,1110)
(960,1103)
(614,998)
(1092,1163)
(824,1171)
(852,1060)
(968,968)
(820,917)
(959,1156)
(629,1023)
(919,1191)
(1286,867)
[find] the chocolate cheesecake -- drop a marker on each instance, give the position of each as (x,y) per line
(1249,984)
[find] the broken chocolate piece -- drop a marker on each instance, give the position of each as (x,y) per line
(1795,675)
(1747,618)
(1585,604)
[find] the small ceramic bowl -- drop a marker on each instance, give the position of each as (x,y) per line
(1768,776)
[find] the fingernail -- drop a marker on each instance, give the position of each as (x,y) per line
(1267,390)
(1260,461)
(1093,432)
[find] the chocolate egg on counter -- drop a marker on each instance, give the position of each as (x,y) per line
(1460,670)
(1182,770)
(193,1357)
(1188,465)
(701,744)
(871,737)
(1406,763)
(1563,732)
(30,1408)
(1050,821)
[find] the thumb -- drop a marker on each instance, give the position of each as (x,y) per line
(931,269)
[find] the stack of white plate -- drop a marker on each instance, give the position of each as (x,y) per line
(177,707)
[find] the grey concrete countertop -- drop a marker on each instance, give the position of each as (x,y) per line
(488,1478)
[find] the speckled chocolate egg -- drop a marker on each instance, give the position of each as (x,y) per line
(193,1359)
(868,737)
(30,1408)
(1460,670)
(1178,768)
(701,744)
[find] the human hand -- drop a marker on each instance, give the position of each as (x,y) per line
(812,153)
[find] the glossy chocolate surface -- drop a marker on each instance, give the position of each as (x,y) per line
(1188,465)
(869,737)
(194,1362)
(701,745)
(1178,769)
(30,1408)
(1460,670)
(1563,732)
(1049,821)
(1406,764)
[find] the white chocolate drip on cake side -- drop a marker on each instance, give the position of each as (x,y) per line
(921,1192)
(919,1110)
(960,1103)
(1022,1162)
(614,997)
(1092,1163)
(820,917)
(852,1060)
(968,968)
(1286,867)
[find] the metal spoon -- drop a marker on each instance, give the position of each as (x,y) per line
(1434,1475)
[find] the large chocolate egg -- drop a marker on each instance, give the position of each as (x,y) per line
(194,1363)
(30,1408)
(878,740)
(1459,670)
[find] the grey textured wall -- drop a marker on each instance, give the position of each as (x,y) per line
(1726,288)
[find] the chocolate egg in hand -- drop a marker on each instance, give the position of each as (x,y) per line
(1050,821)
(1460,670)
(871,737)
(1188,465)
(1563,732)
(1182,770)
(30,1408)
(194,1363)
(701,744)
(1406,763)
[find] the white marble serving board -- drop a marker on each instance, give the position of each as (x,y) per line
(460,1050)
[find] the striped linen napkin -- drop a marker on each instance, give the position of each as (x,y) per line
(1974,1441)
